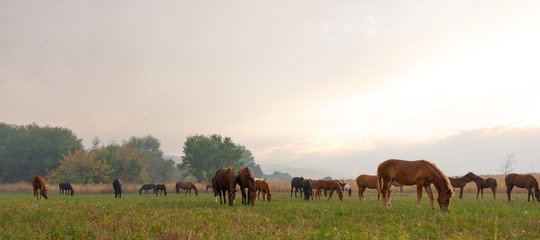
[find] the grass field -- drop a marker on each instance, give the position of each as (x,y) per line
(101,216)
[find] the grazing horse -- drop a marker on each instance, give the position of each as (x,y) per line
(460,182)
(526,181)
(208,186)
(395,184)
(186,186)
(262,186)
(38,183)
(225,181)
(482,183)
(422,173)
(308,189)
(344,186)
(366,181)
(246,179)
(117,188)
(296,184)
(147,187)
(162,188)
(64,188)
(328,185)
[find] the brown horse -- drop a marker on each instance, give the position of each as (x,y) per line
(224,181)
(420,173)
(482,183)
(38,183)
(208,186)
(162,188)
(526,181)
(460,182)
(366,181)
(246,179)
(186,186)
(328,185)
(262,186)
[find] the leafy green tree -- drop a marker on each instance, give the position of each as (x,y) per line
(248,160)
(203,155)
(81,167)
(159,169)
(29,150)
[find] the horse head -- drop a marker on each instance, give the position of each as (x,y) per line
(444,199)
(44,192)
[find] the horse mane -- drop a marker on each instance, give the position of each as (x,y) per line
(443,177)
(536,182)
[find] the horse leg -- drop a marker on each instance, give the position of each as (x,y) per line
(385,192)
(482,192)
(528,195)
(361,193)
(460,192)
(477,191)
(430,194)
(509,190)
(418,195)
(493,189)
(330,195)
(291,191)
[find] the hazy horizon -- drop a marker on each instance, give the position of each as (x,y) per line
(334,85)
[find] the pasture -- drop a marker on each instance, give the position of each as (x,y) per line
(137,216)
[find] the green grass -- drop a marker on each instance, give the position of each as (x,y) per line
(102,216)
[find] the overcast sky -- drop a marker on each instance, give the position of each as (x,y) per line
(337,85)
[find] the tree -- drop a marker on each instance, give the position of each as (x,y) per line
(203,155)
(159,169)
(29,150)
(508,164)
(81,167)
(248,160)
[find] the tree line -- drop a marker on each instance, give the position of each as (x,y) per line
(58,154)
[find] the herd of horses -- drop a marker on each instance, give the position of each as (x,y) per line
(392,172)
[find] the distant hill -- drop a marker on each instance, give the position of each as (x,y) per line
(308,172)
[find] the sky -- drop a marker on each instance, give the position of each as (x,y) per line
(335,87)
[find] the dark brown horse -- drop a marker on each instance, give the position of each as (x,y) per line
(420,173)
(246,180)
(296,184)
(65,189)
(225,181)
(460,182)
(526,181)
(38,183)
(482,183)
(208,186)
(186,186)
(328,185)
(262,186)
(161,189)
(366,181)
(117,188)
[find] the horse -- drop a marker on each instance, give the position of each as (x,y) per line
(225,181)
(117,188)
(64,188)
(38,183)
(162,188)
(526,181)
(460,182)
(246,179)
(308,189)
(395,184)
(296,184)
(146,187)
(208,186)
(366,181)
(328,185)
(422,173)
(482,183)
(186,186)
(262,186)
(344,186)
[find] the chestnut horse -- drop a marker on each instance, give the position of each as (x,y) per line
(420,173)
(38,183)
(208,186)
(117,188)
(482,183)
(262,186)
(460,182)
(366,181)
(186,186)
(526,181)
(246,179)
(328,185)
(224,181)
